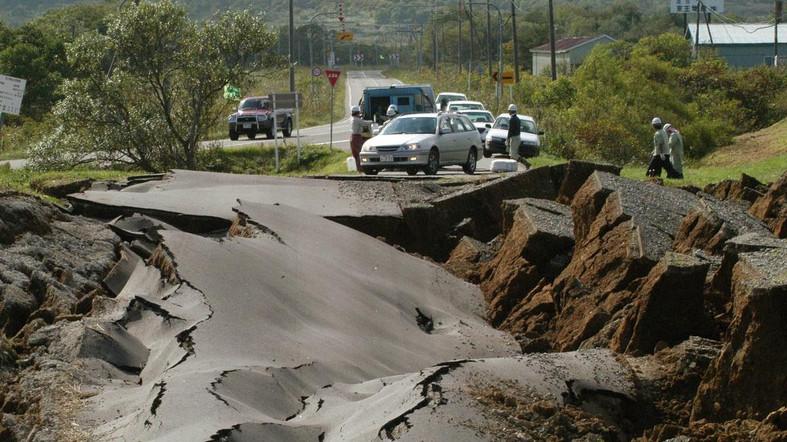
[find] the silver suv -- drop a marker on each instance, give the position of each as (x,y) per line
(423,142)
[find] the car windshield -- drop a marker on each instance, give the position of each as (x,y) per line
(464,106)
(411,125)
(479,117)
(526,125)
(451,97)
(253,103)
(501,123)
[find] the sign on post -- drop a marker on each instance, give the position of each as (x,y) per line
(316,72)
(693,6)
(508,78)
(333,76)
(11,92)
(344,36)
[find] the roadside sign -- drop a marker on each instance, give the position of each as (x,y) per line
(231,93)
(344,36)
(507,78)
(692,6)
(332,76)
(11,92)
(316,72)
(287,100)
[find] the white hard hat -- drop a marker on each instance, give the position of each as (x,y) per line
(355,109)
(392,110)
(656,121)
(667,126)
(512,107)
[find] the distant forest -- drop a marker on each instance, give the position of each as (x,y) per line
(17,12)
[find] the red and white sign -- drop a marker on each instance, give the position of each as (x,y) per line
(332,76)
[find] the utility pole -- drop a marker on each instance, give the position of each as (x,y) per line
(459,39)
(552,40)
(697,37)
(489,37)
(472,38)
(292,37)
(778,8)
(516,44)
(434,41)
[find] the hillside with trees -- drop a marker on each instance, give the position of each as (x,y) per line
(16,12)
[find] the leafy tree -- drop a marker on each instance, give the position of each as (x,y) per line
(147,91)
(40,59)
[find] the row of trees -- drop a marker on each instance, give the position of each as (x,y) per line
(603,111)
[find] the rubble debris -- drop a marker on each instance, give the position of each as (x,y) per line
(748,364)
(575,174)
(467,258)
(772,207)
(668,307)
(537,244)
(711,223)
(622,229)
(746,190)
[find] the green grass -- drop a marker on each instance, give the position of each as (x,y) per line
(26,180)
(259,160)
(13,154)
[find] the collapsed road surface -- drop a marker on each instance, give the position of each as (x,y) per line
(258,317)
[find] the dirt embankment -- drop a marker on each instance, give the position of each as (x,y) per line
(652,272)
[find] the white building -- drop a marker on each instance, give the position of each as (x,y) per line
(569,53)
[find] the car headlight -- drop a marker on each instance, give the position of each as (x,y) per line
(368,148)
(232,118)
(262,117)
(412,146)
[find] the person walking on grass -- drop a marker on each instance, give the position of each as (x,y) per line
(513,140)
(675,143)
(660,149)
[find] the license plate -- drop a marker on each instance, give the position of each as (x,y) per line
(386,158)
(247,125)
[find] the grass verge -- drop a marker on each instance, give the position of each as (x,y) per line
(315,160)
(26,180)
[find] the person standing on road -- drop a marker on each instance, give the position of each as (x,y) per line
(658,158)
(513,140)
(356,139)
(675,143)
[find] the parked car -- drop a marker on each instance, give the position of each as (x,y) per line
(408,98)
(423,142)
(480,119)
(255,116)
(447,97)
(496,137)
(455,106)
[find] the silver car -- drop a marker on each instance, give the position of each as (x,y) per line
(425,142)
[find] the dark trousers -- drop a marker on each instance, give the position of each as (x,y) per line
(656,164)
(356,143)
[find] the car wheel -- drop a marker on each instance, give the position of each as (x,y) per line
(472,159)
(287,131)
(369,171)
(269,134)
(233,135)
(412,172)
(487,153)
(251,135)
(433,163)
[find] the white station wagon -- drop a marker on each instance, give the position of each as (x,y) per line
(425,142)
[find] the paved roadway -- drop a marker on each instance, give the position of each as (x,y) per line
(356,81)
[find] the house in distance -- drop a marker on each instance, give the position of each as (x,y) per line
(569,53)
